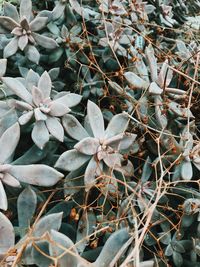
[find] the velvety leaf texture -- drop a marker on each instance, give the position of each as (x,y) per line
(7,234)
(99,133)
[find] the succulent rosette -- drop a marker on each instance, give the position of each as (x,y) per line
(97,146)
(24,27)
(35,101)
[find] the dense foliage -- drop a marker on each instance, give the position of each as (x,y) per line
(99,133)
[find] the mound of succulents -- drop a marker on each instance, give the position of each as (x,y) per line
(99,133)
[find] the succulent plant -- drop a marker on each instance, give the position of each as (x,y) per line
(11,174)
(3,66)
(66,39)
(139,61)
(24,27)
(97,145)
(191,154)
(7,233)
(36,101)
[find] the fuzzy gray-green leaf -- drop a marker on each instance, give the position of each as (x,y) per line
(48,223)
(22,42)
(3,66)
(96,119)
(90,173)
(186,170)
(86,226)
(68,259)
(38,24)
(57,109)
(55,128)
(8,142)
(32,53)
(7,234)
(111,247)
(71,160)
(40,134)
(44,41)
(18,88)
(73,127)
(26,206)
(8,23)
(11,11)
(45,84)
(70,100)
(11,48)
(135,81)
(25,9)
(4,201)
(117,125)
(37,174)
(152,61)
(88,146)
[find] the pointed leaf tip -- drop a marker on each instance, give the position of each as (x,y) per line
(96,119)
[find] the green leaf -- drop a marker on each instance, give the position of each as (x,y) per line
(32,79)
(152,62)
(32,53)
(8,23)
(54,73)
(155,89)
(45,84)
(40,134)
(68,259)
(147,170)
(47,224)
(73,127)
(96,119)
(38,258)
(168,250)
(22,42)
(117,125)
(26,206)
(58,10)
(55,128)
(37,174)
(177,259)
(111,247)
(11,48)
(18,88)
(3,66)
(3,197)
(86,226)
(8,142)
(11,11)
(88,146)
(92,170)
(165,238)
(187,220)
(186,170)
(64,207)
(38,24)
(44,41)
(8,120)
(71,160)
(147,263)
(34,154)
(7,234)
(177,247)
(135,81)
(70,100)
(25,9)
